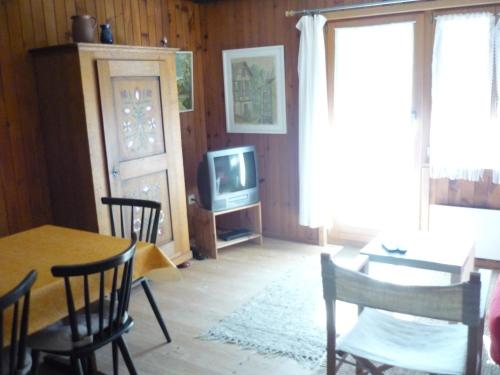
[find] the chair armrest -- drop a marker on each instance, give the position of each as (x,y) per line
(485,289)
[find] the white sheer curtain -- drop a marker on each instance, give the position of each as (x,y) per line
(464,132)
(313,124)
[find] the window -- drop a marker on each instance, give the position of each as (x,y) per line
(392,135)
(464,129)
(374,133)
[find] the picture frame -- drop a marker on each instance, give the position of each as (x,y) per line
(184,76)
(254,90)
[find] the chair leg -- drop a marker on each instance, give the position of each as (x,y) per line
(364,364)
(115,358)
(35,361)
(76,366)
(92,364)
(152,302)
(126,356)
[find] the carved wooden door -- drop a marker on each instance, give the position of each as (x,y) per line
(143,144)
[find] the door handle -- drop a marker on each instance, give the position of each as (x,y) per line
(115,172)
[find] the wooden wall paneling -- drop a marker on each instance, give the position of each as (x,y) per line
(171,24)
(32,144)
(263,146)
(214,91)
(239,24)
(26,19)
(9,172)
(38,23)
(182,25)
(482,191)
(80,7)
(7,175)
(462,192)
(439,191)
(70,11)
(493,196)
(154,39)
(275,163)
(128,37)
(24,197)
(291,59)
(290,149)
(100,14)
(61,25)
(188,119)
(91,9)
(263,24)
(29,183)
(199,100)
(89,6)
(119,25)
(143,17)
(158,21)
(136,22)
(109,8)
(50,24)
(183,19)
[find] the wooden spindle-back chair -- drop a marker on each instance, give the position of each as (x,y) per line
(97,323)
(15,360)
(145,223)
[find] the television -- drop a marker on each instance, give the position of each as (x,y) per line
(228,178)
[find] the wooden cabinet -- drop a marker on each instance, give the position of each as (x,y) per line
(110,122)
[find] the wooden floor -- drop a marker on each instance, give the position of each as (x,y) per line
(209,291)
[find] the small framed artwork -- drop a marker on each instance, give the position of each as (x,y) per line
(184,74)
(254,89)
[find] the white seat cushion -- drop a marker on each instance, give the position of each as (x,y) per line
(429,347)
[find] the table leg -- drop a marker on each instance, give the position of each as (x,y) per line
(464,273)
(467,268)
(456,278)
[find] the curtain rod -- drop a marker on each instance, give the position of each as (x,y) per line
(292,13)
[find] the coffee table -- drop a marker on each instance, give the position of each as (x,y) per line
(429,250)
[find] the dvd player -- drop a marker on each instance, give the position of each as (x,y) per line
(233,234)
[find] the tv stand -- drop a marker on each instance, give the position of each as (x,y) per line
(206,227)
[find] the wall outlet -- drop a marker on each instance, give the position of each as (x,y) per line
(191,199)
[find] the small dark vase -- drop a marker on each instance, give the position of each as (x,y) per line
(106,35)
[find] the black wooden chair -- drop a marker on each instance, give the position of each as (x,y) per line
(141,217)
(15,359)
(97,323)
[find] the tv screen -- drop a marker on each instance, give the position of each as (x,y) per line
(228,178)
(235,172)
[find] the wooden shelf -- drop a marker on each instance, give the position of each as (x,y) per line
(221,243)
(249,217)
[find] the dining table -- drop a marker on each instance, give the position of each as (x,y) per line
(41,248)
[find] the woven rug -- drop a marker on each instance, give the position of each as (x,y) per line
(287,318)
(284,319)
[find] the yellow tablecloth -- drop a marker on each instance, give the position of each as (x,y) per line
(46,246)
